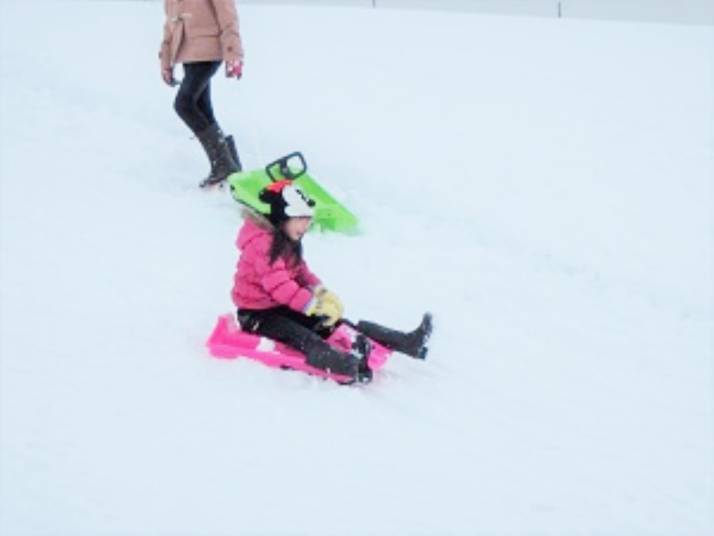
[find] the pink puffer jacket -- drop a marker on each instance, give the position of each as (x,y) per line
(261,285)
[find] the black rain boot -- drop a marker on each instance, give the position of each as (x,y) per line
(219,155)
(413,343)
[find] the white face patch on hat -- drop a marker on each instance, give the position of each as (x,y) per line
(297,205)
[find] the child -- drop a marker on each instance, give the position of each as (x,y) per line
(279,297)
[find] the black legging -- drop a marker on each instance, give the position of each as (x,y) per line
(193,100)
(302,332)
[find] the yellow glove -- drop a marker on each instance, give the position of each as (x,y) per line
(326,304)
(325,295)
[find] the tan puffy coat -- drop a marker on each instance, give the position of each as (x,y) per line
(200,30)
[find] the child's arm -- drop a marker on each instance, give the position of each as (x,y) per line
(282,288)
(307,278)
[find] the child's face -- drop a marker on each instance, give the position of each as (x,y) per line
(295,228)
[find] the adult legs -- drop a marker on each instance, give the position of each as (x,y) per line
(193,100)
(193,104)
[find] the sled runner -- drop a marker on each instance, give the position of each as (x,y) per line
(330,214)
(228,341)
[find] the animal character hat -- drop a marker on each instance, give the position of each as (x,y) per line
(286,201)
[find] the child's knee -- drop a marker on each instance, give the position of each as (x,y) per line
(247,321)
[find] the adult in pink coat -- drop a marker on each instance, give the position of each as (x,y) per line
(200,34)
(278,296)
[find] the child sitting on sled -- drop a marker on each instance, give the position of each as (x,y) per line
(277,295)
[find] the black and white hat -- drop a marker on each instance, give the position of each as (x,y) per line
(286,201)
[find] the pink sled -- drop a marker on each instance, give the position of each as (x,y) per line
(228,341)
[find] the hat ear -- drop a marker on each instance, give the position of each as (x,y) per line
(273,197)
(266,195)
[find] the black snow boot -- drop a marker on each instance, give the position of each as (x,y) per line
(326,358)
(234,152)
(413,343)
(352,364)
(219,155)
(361,349)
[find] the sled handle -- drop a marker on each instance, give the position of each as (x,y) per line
(284,168)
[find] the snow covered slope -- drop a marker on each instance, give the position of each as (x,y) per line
(543,186)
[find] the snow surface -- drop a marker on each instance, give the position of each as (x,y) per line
(543,186)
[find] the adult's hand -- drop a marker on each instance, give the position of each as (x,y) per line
(167,74)
(234,69)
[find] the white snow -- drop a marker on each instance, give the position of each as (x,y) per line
(543,186)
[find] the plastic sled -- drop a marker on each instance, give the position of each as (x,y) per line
(330,214)
(228,341)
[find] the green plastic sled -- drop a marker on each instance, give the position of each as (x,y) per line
(330,214)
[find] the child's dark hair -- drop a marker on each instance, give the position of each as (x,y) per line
(282,246)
